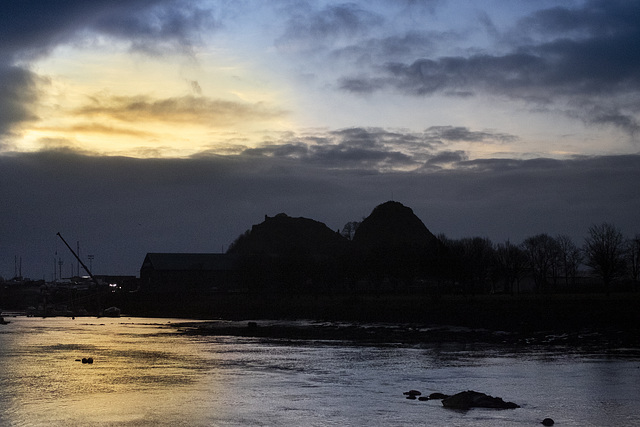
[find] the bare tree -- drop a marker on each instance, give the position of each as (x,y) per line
(633,259)
(349,229)
(542,252)
(570,258)
(479,254)
(468,262)
(512,264)
(604,253)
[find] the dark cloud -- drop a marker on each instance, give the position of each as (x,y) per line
(18,93)
(445,158)
(610,115)
(462,133)
(32,27)
(147,27)
(377,149)
(585,61)
(308,29)
(595,18)
(121,208)
(352,148)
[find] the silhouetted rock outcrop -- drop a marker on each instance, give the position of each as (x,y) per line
(392,248)
(283,234)
(292,254)
(393,225)
(394,244)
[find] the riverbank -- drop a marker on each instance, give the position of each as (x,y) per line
(512,313)
(558,319)
(610,342)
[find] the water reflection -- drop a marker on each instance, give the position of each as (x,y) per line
(147,373)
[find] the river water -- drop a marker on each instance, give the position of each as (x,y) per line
(146,372)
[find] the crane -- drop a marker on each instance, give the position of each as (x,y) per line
(79,260)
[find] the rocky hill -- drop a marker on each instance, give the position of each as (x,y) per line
(282,235)
(392,225)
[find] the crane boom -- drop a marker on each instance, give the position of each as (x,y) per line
(78,258)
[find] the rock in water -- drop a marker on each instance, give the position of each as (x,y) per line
(411,394)
(436,396)
(473,399)
(547,422)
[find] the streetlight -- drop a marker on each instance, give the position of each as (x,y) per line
(90,262)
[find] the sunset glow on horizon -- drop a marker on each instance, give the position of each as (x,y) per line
(212,76)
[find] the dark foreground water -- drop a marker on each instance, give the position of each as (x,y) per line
(147,373)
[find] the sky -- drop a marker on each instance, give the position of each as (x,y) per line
(135,126)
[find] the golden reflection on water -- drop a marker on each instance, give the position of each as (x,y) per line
(146,374)
(138,372)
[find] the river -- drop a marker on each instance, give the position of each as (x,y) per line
(147,372)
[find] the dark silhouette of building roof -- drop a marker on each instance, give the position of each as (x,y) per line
(189,261)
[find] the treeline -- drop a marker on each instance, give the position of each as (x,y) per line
(551,263)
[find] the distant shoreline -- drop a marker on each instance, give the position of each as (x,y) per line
(568,319)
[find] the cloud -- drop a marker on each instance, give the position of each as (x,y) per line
(445,159)
(462,133)
(395,47)
(194,109)
(377,149)
(18,93)
(610,115)
(594,18)
(584,61)
(371,149)
(308,30)
(98,128)
(30,29)
(149,27)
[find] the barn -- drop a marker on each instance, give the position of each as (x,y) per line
(189,272)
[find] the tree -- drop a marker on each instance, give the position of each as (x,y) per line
(570,258)
(542,252)
(468,262)
(604,253)
(349,229)
(511,263)
(633,258)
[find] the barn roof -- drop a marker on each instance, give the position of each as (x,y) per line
(189,261)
